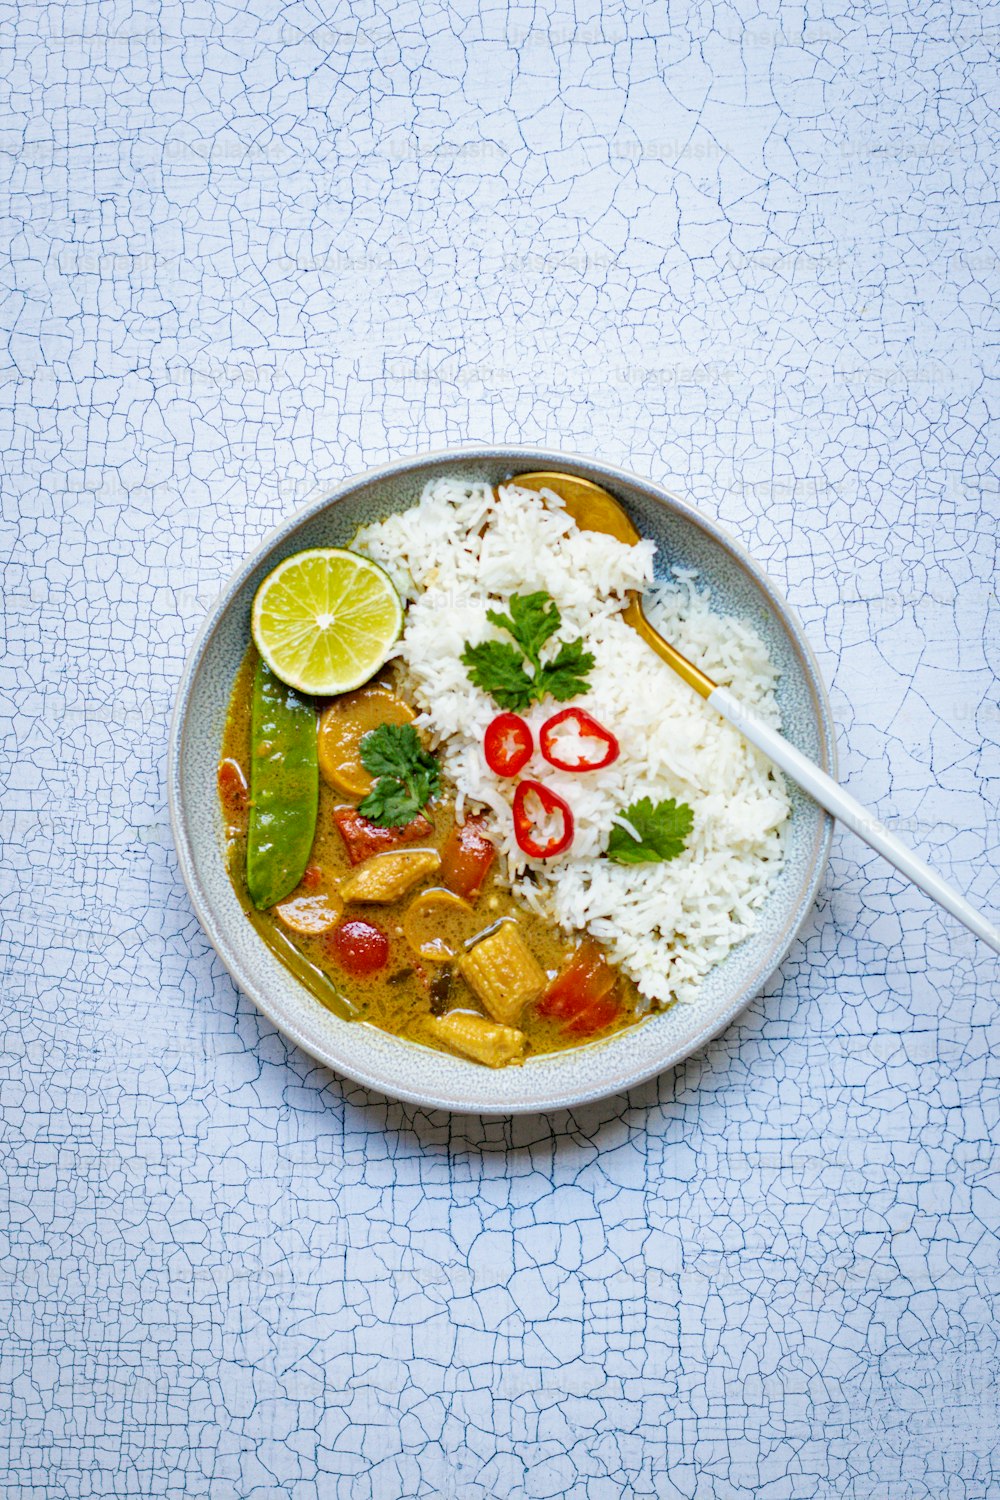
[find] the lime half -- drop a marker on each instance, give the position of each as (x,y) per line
(326,620)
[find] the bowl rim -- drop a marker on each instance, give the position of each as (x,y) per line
(519,457)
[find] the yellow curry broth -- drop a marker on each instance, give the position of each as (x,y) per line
(399,997)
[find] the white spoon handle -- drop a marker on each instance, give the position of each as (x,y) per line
(845,807)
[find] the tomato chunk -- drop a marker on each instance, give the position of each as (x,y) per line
(233,790)
(466,858)
(364,838)
(359,947)
(598,1015)
(583,994)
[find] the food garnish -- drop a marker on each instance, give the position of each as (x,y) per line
(284,789)
(326,620)
(657,831)
(573,740)
(543,822)
(507,745)
(408,775)
(500,668)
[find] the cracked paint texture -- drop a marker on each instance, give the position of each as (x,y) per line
(748,250)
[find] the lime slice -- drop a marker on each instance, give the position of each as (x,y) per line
(326,620)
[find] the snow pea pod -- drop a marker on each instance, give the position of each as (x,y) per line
(284,788)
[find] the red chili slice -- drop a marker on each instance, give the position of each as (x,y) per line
(534,839)
(507,745)
(603,749)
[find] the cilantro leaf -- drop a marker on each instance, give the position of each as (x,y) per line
(662,827)
(393,804)
(565,675)
(516,676)
(533,619)
(393,750)
(497,668)
(408,776)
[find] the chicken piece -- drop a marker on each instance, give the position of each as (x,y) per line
(503,972)
(484,1041)
(386,877)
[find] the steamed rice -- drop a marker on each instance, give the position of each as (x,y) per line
(465,549)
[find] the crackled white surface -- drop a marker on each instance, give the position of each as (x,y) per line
(250,250)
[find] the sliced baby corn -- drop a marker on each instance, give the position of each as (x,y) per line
(503,972)
(484,1041)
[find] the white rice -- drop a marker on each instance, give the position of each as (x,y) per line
(463,550)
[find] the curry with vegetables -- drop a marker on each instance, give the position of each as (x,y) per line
(344,849)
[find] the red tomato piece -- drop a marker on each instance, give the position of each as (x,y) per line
(507,745)
(598,1015)
(364,838)
(573,740)
(359,947)
(582,982)
(466,858)
(233,790)
(543,822)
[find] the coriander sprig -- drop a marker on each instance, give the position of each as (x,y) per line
(408,776)
(502,670)
(662,829)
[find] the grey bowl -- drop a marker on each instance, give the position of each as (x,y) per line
(403,1069)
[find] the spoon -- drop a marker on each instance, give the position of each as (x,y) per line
(593,509)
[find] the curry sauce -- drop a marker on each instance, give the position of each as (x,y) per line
(490,958)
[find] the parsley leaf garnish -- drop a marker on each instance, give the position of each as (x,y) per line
(565,675)
(502,670)
(662,827)
(497,668)
(533,619)
(408,776)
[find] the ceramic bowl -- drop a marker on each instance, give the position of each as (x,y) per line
(404,1069)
